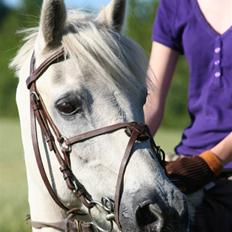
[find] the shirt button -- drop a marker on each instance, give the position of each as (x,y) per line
(217,62)
(217,74)
(217,50)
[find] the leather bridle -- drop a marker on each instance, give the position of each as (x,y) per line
(62,147)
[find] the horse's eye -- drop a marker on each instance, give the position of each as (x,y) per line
(69,106)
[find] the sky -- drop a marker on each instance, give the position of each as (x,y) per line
(69,3)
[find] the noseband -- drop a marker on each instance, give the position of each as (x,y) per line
(62,148)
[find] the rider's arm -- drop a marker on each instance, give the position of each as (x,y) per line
(223,150)
(160,72)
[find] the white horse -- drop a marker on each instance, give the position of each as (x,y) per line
(96,79)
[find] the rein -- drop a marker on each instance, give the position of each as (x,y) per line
(62,148)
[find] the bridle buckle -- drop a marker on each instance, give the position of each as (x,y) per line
(64,145)
(141,129)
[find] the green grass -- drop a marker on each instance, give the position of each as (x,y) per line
(13,186)
(167,139)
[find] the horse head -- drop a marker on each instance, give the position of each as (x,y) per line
(85,103)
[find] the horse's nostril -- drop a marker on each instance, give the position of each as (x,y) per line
(147,214)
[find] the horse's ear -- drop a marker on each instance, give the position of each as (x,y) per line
(113,15)
(52,20)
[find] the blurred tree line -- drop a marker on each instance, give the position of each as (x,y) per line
(139,27)
(11,21)
(140,24)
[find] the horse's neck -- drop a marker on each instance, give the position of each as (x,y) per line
(42,207)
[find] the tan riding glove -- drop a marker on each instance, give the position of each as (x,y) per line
(190,174)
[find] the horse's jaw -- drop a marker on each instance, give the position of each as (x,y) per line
(146,188)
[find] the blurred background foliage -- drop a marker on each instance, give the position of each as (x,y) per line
(141,14)
(11,21)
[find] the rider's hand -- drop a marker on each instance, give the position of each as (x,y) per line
(192,173)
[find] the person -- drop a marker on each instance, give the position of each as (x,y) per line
(201,30)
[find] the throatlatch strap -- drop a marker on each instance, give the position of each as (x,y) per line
(39,159)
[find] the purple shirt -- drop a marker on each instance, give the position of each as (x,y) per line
(181,25)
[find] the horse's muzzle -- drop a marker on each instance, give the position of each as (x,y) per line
(154,217)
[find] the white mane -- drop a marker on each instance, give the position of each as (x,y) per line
(102,49)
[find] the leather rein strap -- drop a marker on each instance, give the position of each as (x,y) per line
(54,138)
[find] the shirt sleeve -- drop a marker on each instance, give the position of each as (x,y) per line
(164,30)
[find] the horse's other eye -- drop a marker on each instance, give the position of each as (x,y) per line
(69,106)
